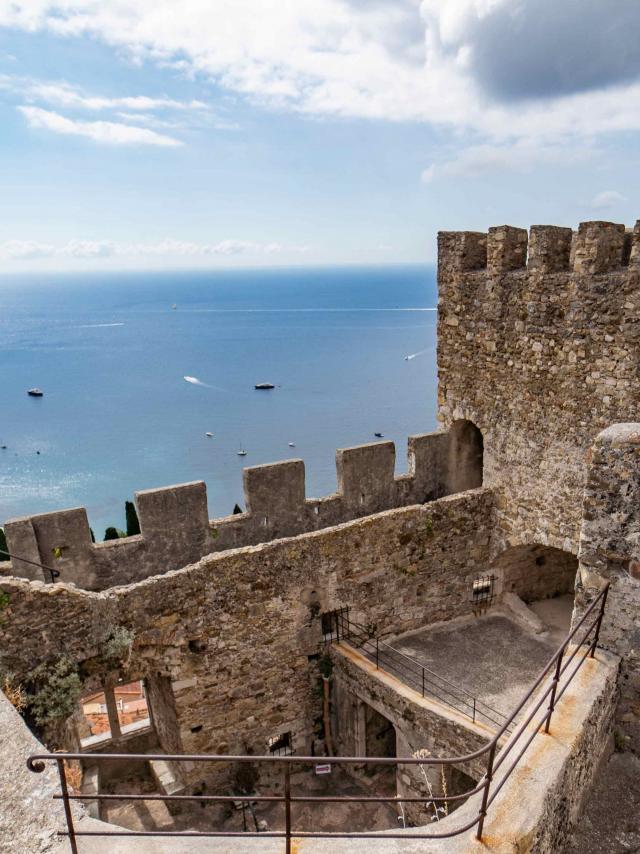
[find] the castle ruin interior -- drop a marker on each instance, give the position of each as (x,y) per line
(406,616)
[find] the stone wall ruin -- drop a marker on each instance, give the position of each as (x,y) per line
(176,531)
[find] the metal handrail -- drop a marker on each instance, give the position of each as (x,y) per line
(53,573)
(553,691)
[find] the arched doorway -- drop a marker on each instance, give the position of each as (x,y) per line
(466,451)
(543,577)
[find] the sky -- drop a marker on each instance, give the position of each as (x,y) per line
(214,133)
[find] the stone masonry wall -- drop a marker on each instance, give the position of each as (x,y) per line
(233,632)
(610,551)
(417,726)
(538,345)
(176,530)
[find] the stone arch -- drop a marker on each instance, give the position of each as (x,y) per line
(466,452)
(536,571)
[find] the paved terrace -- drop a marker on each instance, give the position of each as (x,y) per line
(496,656)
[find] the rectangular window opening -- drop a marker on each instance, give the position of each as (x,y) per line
(335,624)
(129,703)
(482,593)
(133,709)
(93,725)
(281,745)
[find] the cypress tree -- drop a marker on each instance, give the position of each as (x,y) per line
(133,524)
(3,546)
(237,509)
(111,534)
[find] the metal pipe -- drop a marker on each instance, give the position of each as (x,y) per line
(287,807)
(67,806)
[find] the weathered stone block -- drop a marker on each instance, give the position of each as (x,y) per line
(366,475)
(461,251)
(506,249)
(598,247)
(549,248)
(277,489)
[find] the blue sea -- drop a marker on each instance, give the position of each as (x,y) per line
(110,353)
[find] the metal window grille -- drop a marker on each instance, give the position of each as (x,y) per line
(281,745)
(335,624)
(483,592)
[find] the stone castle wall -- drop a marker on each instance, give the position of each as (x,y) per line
(539,346)
(225,643)
(610,551)
(176,530)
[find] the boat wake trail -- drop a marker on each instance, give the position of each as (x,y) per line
(414,355)
(98,325)
(196,381)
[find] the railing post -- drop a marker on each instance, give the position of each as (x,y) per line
(377,654)
(67,806)
(423,681)
(554,688)
(287,806)
(485,793)
(474,709)
(599,623)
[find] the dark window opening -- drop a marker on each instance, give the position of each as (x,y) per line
(335,624)
(482,592)
(281,745)
(466,452)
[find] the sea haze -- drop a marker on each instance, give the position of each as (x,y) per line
(110,354)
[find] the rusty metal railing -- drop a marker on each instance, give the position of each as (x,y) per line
(47,570)
(584,636)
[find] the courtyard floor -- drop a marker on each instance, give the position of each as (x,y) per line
(496,656)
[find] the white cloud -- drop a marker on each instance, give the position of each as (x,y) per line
(92,249)
(140,110)
(529,85)
(607,199)
(503,68)
(89,249)
(25,250)
(110,133)
(522,156)
(63,94)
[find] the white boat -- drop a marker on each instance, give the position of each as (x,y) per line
(241,451)
(35,392)
(292,444)
(209,435)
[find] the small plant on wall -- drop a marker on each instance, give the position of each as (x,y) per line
(116,650)
(14,692)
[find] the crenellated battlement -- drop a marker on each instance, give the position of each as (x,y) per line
(595,248)
(176,530)
(539,345)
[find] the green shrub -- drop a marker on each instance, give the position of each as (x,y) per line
(54,691)
(3,546)
(111,534)
(133,523)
